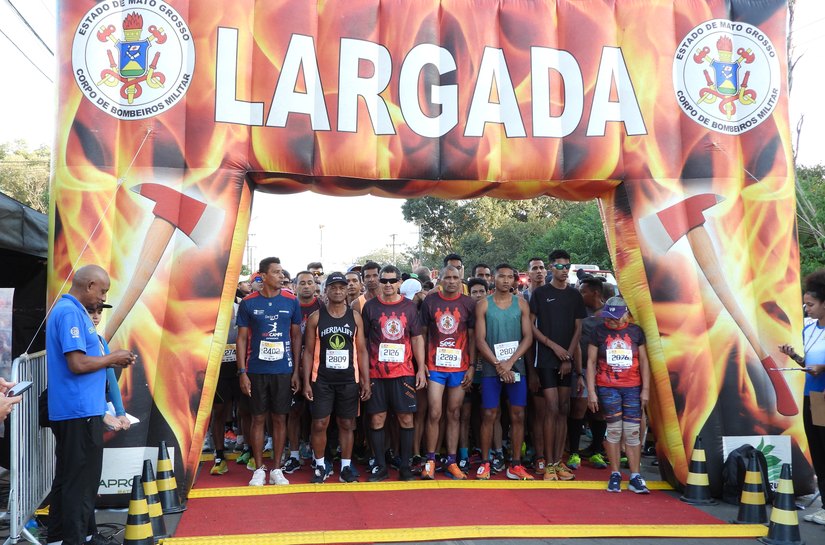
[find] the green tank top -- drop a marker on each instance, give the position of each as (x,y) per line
(503,334)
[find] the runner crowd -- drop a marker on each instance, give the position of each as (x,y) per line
(424,373)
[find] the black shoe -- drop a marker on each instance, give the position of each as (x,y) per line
(291,466)
(378,474)
(393,460)
(348,475)
(320,474)
(464,466)
(405,474)
(497,465)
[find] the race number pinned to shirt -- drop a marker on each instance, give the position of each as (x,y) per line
(338,359)
(271,351)
(619,358)
(504,351)
(391,352)
(448,357)
(229,353)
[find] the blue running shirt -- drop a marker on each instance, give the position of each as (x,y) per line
(269,320)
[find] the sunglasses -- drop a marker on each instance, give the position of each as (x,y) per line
(560,266)
(317,273)
(388,280)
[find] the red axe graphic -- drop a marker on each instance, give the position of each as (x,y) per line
(173,210)
(686,218)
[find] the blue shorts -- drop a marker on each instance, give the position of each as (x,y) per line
(449,380)
(491,392)
(620,404)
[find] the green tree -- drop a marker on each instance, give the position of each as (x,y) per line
(580,232)
(24,174)
(810,208)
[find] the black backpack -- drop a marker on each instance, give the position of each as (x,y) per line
(733,474)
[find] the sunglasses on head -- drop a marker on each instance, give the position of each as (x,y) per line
(388,280)
(560,266)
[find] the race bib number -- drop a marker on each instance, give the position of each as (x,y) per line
(338,359)
(448,357)
(391,352)
(504,351)
(229,353)
(619,358)
(271,351)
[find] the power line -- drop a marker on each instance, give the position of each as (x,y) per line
(33,31)
(27,57)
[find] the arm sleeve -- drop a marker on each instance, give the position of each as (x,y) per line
(113,392)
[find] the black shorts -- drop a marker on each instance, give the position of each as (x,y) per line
(550,378)
(397,394)
(228,389)
(340,398)
(270,393)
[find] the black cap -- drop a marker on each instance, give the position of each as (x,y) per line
(104,305)
(336,278)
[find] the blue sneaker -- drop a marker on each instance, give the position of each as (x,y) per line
(615,483)
(637,484)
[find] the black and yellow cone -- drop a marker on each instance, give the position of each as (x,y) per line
(138,526)
(166,483)
(150,488)
(752,501)
(697,488)
(784,526)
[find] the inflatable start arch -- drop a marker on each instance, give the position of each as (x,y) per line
(673,114)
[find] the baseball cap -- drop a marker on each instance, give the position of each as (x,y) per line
(255,277)
(104,305)
(410,287)
(336,278)
(242,279)
(615,308)
(354,268)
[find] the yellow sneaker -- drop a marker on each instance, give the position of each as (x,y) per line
(219,468)
(563,472)
(550,473)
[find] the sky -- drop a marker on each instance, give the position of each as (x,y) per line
(27,111)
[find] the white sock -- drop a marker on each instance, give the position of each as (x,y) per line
(294,454)
(319,462)
(345,462)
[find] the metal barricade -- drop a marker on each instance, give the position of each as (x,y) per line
(32,449)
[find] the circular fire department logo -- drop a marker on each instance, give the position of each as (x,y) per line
(393,329)
(135,62)
(726,76)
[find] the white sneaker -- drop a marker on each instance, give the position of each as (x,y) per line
(818,517)
(259,477)
(276,476)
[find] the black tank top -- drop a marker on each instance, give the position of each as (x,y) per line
(335,357)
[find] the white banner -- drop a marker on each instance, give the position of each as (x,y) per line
(120,465)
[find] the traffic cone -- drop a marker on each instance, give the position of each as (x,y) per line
(138,526)
(167,485)
(150,488)
(784,526)
(697,489)
(752,501)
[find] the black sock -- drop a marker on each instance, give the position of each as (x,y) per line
(377,439)
(405,440)
(598,428)
(574,433)
(219,454)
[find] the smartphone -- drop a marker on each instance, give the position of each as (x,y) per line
(19,388)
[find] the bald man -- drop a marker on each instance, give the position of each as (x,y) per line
(77,403)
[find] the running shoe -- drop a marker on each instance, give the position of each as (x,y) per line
(244,457)
(598,461)
(393,460)
(550,473)
(428,473)
(230,436)
(219,468)
(464,465)
(305,451)
(371,465)
(377,474)
(518,473)
(574,461)
(208,445)
(319,475)
(623,461)
(268,445)
(637,484)
(405,474)
(239,443)
(540,465)
(250,464)
(442,464)
(276,476)
(291,466)
(348,475)
(259,477)
(483,472)
(563,472)
(615,483)
(417,464)
(497,464)
(452,471)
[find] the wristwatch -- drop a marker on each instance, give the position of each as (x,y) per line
(242,371)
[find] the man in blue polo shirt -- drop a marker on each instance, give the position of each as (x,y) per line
(268,347)
(77,403)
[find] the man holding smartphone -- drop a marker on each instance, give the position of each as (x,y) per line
(77,403)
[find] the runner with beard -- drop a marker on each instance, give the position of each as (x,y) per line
(394,337)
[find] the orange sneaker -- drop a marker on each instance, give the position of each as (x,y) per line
(483,472)
(428,473)
(454,472)
(563,472)
(518,473)
(550,473)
